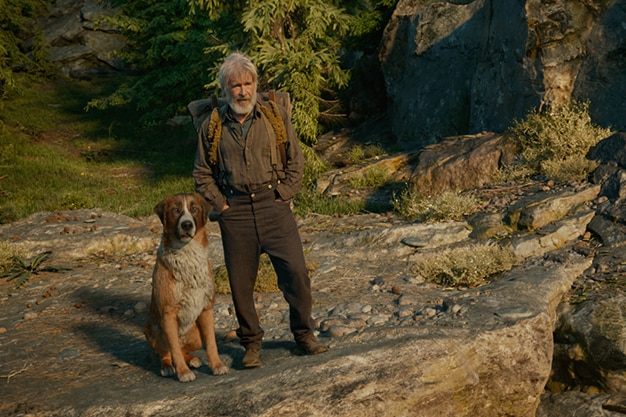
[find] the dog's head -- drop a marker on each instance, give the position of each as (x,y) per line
(182,215)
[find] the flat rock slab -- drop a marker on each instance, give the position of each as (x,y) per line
(71,343)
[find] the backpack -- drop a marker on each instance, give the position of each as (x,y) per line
(201,110)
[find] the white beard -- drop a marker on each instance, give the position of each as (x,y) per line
(240,108)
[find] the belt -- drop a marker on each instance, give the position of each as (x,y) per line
(231,192)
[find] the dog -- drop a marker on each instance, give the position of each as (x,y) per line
(181,314)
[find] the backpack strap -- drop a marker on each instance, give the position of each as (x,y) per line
(278,125)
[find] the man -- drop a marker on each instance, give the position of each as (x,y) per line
(238,172)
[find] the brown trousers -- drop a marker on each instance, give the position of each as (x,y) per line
(256,224)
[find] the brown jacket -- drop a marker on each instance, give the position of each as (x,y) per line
(245,165)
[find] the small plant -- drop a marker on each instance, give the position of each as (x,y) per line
(449,205)
(554,143)
(22,270)
(356,154)
(467,266)
(374,177)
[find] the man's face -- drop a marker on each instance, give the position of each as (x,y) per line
(241,93)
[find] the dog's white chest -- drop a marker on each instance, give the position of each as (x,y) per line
(193,286)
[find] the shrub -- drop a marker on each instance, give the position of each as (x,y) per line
(554,143)
(449,205)
(469,266)
(374,177)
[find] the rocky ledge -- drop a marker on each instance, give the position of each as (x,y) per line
(72,344)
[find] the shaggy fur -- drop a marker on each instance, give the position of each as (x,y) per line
(183,290)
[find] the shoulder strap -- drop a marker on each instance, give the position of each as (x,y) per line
(274,118)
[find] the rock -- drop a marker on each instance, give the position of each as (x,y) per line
(460,163)
(562,232)
(540,209)
(540,54)
(598,332)
(80,47)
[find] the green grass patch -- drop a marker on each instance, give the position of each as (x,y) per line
(374,177)
(54,155)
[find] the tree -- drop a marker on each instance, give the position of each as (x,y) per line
(17,24)
(176,48)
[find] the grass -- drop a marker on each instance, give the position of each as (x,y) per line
(468,267)
(448,205)
(56,156)
(374,177)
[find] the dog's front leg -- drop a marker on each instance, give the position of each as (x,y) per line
(206,324)
(170,328)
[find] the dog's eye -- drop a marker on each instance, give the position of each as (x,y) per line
(194,210)
(175,210)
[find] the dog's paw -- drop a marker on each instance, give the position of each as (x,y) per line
(168,371)
(220,370)
(187,376)
(195,362)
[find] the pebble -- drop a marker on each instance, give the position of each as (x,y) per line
(30,315)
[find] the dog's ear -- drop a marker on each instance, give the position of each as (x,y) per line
(159,210)
(206,207)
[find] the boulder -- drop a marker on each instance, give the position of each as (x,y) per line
(452,67)
(461,162)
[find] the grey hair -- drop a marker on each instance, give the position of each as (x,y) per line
(236,64)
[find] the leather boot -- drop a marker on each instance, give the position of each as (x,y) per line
(252,357)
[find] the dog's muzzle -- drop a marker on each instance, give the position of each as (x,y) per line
(186,229)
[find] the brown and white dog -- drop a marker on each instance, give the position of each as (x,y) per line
(183,290)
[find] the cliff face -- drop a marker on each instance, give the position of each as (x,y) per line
(457,67)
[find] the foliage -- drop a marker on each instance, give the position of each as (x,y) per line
(309,200)
(358,152)
(468,266)
(167,50)
(374,177)
(176,48)
(448,205)
(554,143)
(22,270)
(18,23)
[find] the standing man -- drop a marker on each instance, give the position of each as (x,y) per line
(239,172)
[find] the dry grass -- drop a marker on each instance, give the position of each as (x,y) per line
(449,205)
(8,252)
(469,266)
(554,143)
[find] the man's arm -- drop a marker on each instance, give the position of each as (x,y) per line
(294,168)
